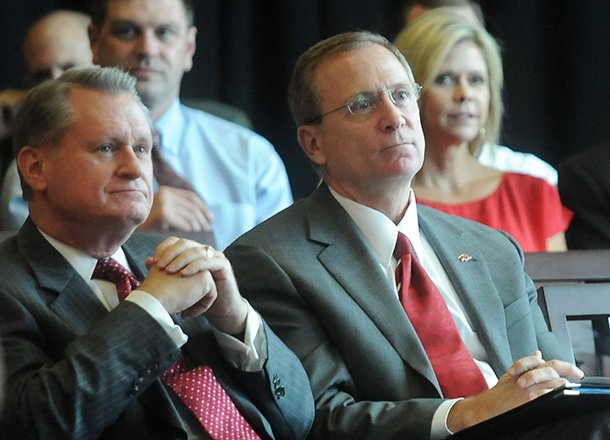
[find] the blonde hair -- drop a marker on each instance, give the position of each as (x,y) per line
(427,41)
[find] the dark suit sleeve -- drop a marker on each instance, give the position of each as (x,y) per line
(340,412)
(584,187)
(63,385)
(283,394)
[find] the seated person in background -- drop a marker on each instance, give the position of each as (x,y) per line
(323,272)
(493,155)
(237,178)
(52,44)
(584,187)
(93,314)
(459,66)
(218,175)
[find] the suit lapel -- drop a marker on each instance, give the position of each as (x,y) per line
(72,299)
(470,277)
(362,279)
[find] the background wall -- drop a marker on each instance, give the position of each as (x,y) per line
(556,60)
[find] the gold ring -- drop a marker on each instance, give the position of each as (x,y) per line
(209,251)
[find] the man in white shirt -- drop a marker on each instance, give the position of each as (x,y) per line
(238,178)
(322,272)
(86,354)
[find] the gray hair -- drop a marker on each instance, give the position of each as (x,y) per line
(47,112)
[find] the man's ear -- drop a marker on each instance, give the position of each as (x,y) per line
(191,47)
(30,162)
(310,141)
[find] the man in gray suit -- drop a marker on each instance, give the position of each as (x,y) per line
(80,361)
(322,271)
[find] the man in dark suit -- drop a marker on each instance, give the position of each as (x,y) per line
(322,272)
(79,362)
(584,187)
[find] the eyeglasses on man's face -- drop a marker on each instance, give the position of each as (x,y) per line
(365,103)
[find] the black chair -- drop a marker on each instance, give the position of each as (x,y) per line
(563,303)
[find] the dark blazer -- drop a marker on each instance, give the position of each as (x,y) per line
(584,187)
(75,370)
(310,273)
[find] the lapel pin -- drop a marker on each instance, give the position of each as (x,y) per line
(465,258)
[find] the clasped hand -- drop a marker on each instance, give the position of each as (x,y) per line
(192,279)
(527,379)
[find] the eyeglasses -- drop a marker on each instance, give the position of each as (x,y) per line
(364,103)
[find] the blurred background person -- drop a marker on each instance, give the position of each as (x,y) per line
(53,43)
(237,177)
(459,66)
(584,187)
(496,156)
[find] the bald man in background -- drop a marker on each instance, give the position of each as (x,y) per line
(53,44)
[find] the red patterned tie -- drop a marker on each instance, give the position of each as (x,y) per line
(111,270)
(453,364)
(204,396)
(197,387)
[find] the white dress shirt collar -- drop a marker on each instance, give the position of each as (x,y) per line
(380,232)
(82,263)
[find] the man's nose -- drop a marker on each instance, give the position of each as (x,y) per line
(391,116)
(147,43)
(129,164)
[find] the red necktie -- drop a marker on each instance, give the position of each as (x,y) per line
(197,387)
(453,364)
(204,396)
(164,172)
(111,270)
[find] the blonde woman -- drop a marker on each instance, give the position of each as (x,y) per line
(458,64)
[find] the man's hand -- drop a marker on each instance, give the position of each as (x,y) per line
(527,379)
(179,209)
(176,263)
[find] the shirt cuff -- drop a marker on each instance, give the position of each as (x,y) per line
(154,308)
(439,429)
(251,353)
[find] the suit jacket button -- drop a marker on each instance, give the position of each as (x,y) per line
(280,391)
(133,391)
